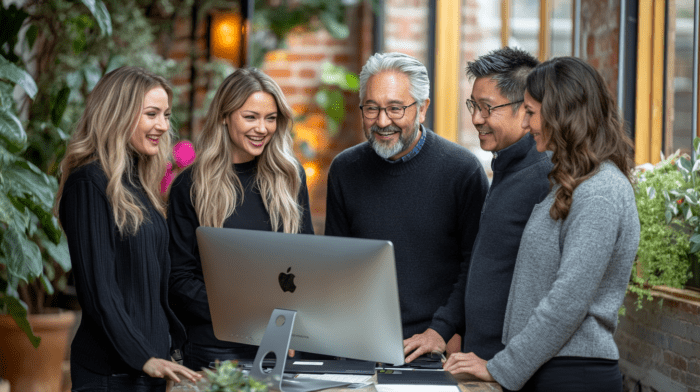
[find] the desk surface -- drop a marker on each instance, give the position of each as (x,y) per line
(465,385)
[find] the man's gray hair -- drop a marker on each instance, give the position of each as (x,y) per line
(509,67)
(393,61)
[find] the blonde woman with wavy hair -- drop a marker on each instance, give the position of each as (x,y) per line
(246,177)
(109,206)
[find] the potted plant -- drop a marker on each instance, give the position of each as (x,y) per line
(668,203)
(228,377)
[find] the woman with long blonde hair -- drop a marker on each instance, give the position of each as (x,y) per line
(245,176)
(109,206)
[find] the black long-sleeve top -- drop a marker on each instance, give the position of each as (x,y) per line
(429,208)
(187,292)
(121,281)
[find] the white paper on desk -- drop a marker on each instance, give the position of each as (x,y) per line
(349,378)
(415,388)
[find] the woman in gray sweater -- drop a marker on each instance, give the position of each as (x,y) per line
(578,247)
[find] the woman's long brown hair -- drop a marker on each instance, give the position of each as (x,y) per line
(581,121)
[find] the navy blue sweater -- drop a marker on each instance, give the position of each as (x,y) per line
(519,182)
(122,282)
(428,207)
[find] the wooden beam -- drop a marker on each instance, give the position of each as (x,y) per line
(657,90)
(642,138)
(505,22)
(447,50)
(545,30)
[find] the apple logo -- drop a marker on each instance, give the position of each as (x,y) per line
(287,281)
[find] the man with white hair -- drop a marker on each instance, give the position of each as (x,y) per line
(416,189)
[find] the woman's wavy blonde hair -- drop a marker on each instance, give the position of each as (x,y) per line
(103,134)
(216,189)
(582,122)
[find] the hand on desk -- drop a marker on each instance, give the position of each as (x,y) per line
(427,342)
(468,363)
(161,368)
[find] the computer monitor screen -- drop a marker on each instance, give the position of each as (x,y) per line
(344,291)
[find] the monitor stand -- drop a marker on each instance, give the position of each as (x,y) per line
(276,340)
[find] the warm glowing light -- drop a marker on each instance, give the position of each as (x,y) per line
(313,174)
(226,36)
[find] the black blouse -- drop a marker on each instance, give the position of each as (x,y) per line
(187,293)
(121,282)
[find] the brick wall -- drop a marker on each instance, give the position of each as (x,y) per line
(600,36)
(660,345)
(297,69)
(406,28)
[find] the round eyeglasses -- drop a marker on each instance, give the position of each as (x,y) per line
(487,109)
(393,112)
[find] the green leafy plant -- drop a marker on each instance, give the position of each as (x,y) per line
(228,377)
(335,81)
(668,203)
(273,21)
(33,251)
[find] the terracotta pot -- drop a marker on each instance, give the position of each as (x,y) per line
(29,369)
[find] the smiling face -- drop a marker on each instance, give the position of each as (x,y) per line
(392,138)
(532,121)
(502,127)
(251,126)
(153,122)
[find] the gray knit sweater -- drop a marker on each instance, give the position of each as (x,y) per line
(570,279)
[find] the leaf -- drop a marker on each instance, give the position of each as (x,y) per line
(12,131)
(27,183)
(694,247)
(668,216)
(49,224)
(696,165)
(651,192)
(24,256)
(336,29)
(59,252)
(31,34)
(684,165)
(18,76)
(99,11)
(60,102)
(18,311)
(687,212)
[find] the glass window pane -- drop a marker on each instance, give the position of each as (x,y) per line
(561,28)
(481,33)
(679,77)
(525,25)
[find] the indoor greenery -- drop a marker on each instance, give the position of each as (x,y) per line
(668,203)
(32,245)
(228,377)
(55,51)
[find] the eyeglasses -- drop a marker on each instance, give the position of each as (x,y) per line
(393,112)
(487,109)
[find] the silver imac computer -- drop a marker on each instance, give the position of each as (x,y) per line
(326,295)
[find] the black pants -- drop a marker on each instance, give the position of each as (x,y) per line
(575,374)
(84,380)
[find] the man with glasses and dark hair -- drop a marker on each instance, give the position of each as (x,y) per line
(410,186)
(519,182)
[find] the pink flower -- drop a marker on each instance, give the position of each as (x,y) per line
(184,153)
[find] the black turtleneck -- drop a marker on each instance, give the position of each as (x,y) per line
(121,281)
(519,182)
(187,292)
